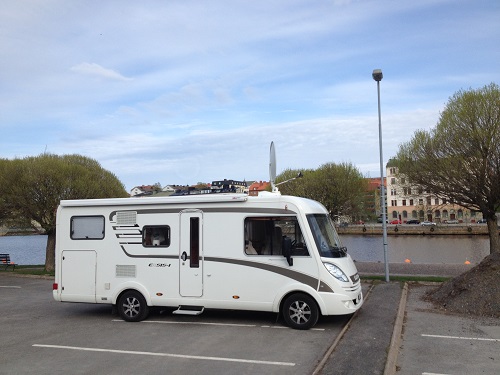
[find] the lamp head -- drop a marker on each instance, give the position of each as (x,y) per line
(377,75)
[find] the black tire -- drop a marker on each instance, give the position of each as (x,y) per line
(132,306)
(300,311)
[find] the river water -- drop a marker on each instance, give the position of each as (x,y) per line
(30,250)
(418,249)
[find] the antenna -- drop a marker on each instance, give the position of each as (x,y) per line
(272,171)
(272,167)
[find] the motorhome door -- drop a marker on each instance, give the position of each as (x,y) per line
(191,254)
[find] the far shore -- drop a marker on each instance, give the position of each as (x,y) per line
(415,229)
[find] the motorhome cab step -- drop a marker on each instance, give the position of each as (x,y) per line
(270,253)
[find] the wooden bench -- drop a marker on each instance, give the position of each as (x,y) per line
(5,261)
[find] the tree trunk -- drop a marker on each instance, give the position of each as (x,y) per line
(494,236)
(50,251)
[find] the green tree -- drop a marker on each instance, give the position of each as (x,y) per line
(339,187)
(460,158)
(295,186)
(32,187)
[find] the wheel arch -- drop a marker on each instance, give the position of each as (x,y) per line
(300,288)
(134,287)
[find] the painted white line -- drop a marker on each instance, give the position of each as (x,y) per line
(192,323)
(461,338)
(432,373)
(239,360)
(216,324)
(10,287)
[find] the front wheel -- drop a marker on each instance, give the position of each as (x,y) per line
(300,311)
(132,306)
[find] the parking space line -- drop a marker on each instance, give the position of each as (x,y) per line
(196,323)
(223,359)
(461,338)
(10,286)
(216,324)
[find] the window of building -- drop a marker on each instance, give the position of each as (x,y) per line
(156,235)
(411,202)
(445,214)
(264,235)
(393,180)
(407,191)
(436,201)
(405,215)
(394,214)
(420,201)
(429,201)
(87,228)
(414,214)
(393,192)
(394,203)
(404,202)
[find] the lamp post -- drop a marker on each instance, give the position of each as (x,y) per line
(377,76)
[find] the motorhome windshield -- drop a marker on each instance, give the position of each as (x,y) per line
(325,236)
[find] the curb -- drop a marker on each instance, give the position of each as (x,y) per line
(392,356)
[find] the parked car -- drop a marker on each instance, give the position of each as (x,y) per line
(413,221)
(482,221)
(451,221)
(395,222)
(427,223)
(379,219)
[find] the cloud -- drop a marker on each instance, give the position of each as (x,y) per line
(96,70)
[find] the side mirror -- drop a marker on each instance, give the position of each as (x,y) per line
(286,245)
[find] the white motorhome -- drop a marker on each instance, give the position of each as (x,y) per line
(217,251)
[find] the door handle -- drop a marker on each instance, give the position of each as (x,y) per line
(184,256)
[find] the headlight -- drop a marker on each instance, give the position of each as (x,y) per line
(336,272)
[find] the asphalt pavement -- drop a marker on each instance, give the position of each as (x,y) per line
(397,332)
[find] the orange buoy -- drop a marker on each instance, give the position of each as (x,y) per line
(467,262)
(407,260)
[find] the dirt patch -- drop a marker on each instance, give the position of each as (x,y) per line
(475,292)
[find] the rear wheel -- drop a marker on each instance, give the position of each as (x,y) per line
(132,306)
(300,311)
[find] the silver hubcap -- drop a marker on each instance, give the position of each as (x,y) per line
(300,312)
(131,306)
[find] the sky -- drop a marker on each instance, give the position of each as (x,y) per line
(184,91)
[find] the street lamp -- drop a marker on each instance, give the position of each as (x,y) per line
(377,76)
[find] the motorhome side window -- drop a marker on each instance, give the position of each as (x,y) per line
(156,235)
(264,235)
(87,227)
